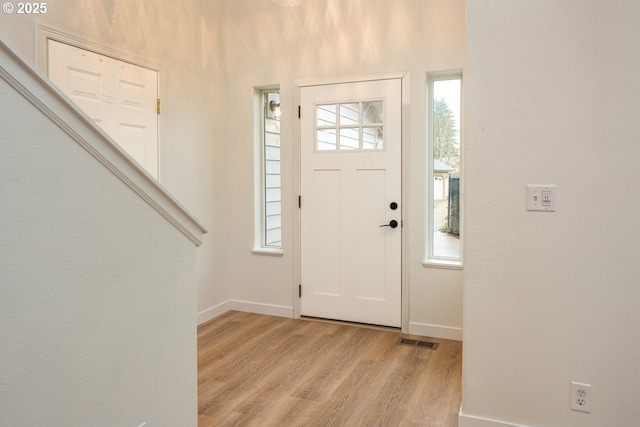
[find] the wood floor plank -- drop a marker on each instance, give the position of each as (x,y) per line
(290,411)
(332,366)
(434,397)
(239,334)
(241,379)
(283,381)
(257,370)
(346,397)
(395,386)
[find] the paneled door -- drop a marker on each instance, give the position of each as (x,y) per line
(118,96)
(351,201)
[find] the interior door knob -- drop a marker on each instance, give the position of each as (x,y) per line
(393,224)
(393,206)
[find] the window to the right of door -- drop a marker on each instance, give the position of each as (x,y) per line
(444,166)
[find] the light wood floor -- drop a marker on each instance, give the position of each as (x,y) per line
(256,370)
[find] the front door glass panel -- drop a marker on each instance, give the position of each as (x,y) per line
(350,126)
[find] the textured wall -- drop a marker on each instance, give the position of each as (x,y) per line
(552,92)
(97,295)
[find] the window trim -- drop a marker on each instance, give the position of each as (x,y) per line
(260,247)
(430,260)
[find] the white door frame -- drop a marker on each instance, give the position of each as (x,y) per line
(297,248)
(41,54)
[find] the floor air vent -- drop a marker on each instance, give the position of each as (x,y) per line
(416,343)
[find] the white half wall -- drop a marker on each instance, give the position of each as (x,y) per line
(98,289)
(552,98)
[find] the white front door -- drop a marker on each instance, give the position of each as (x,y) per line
(118,96)
(351,199)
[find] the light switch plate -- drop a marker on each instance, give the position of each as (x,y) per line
(541,198)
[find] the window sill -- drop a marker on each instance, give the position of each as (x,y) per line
(442,263)
(268,251)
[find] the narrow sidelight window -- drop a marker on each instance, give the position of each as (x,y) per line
(271,211)
(444,165)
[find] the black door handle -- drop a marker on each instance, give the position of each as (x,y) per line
(393,224)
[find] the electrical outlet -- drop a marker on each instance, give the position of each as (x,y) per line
(580,397)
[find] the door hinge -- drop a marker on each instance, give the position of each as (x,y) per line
(299,201)
(158,106)
(299,111)
(299,291)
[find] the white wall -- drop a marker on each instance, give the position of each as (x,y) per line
(272,45)
(187,38)
(97,295)
(552,98)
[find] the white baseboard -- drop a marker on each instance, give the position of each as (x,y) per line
(435,331)
(246,306)
(473,421)
(213,312)
(259,308)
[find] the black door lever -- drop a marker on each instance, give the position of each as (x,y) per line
(393,224)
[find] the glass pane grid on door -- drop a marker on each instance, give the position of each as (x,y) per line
(350,126)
